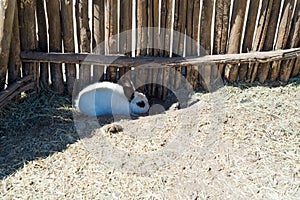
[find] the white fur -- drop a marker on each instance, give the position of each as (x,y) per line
(108,98)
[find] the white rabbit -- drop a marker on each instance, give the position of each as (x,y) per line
(111,98)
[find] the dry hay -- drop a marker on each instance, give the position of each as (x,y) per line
(252,154)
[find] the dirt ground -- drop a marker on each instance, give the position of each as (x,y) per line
(240,142)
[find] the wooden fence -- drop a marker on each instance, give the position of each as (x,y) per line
(54,42)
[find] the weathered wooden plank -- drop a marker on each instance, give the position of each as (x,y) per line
(196,13)
(189,28)
(263,69)
(205,41)
(165,27)
(166,79)
(176,35)
(205,25)
(68,40)
(111,73)
(99,36)
(179,27)
(6,26)
(142,33)
(155,31)
(111,24)
(296,67)
(150,22)
(249,34)
(83,30)
(141,77)
(121,61)
(178,76)
(149,84)
(235,38)
(163,21)
(293,41)
(221,26)
(156,25)
(287,67)
(222,12)
(192,42)
(125,27)
(167,50)
(98,26)
(294,37)
(124,70)
(159,85)
(43,41)
(192,19)
(28,30)
(14,63)
(55,43)
(83,38)
(168,27)
(154,81)
(150,44)
(180,13)
(261,32)
(283,34)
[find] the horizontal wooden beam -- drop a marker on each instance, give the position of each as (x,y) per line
(121,60)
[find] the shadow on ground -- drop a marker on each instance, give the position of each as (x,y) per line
(41,124)
(34,127)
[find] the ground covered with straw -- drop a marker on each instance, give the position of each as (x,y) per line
(240,142)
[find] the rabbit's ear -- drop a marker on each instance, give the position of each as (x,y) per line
(127,87)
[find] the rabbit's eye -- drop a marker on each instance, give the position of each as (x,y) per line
(141,104)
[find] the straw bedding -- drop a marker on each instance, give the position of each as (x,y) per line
(238,142)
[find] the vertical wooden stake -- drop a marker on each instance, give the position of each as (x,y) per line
(28,38)
(14,63)
(296,67)
(69,41)
(142,22)
(237,22)
(260,36)
(111,24)
(167,51)
(153,42)
(205,41)
(151,30)
(55,43)
(192,42)
(249,34)
(141,38)
(294,39)
(125,27)
(283,33)
(6,25)
(98,36)
(150,43)
(179,36)
(163,21)
(263,68)
(43,41)
(84,38)
(155,24)
(168,27)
